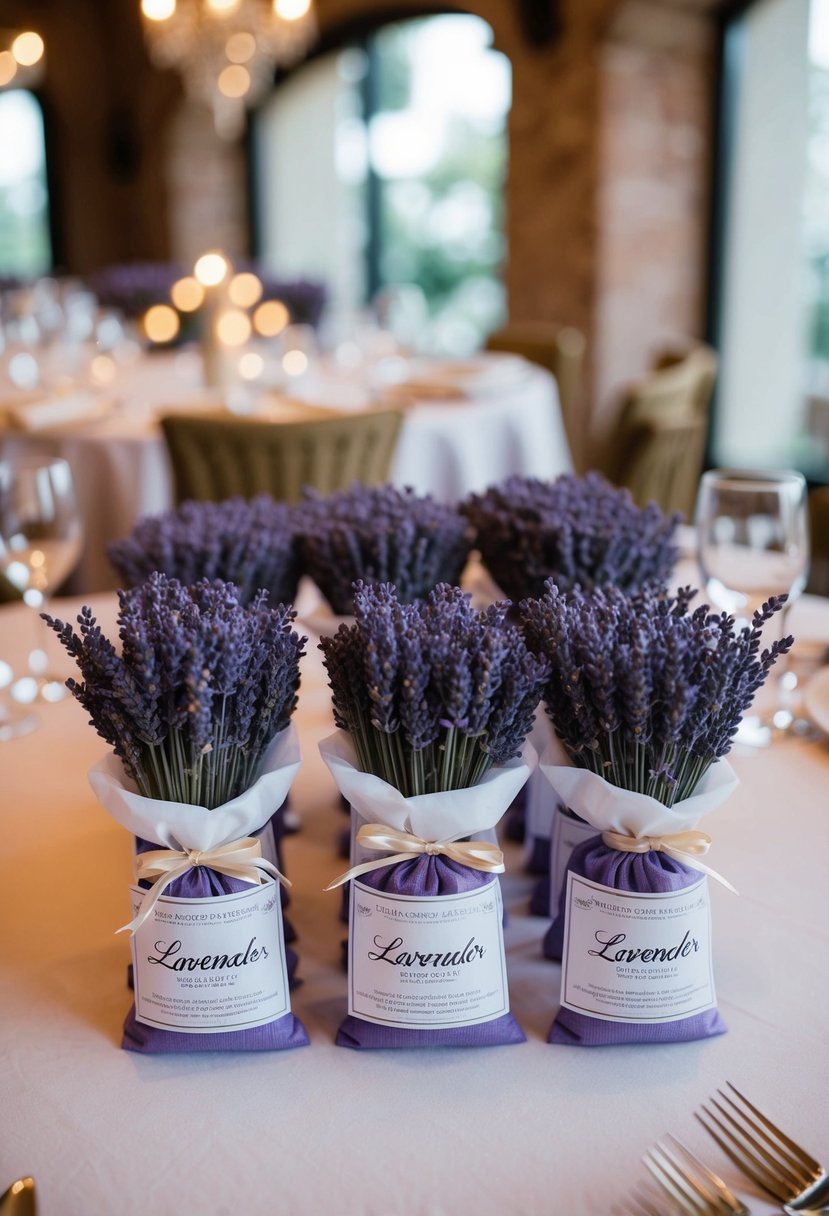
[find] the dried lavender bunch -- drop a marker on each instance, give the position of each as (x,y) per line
(643,691)
(251,544)
(579,531)
(433,694)
(201,686)
(379,534)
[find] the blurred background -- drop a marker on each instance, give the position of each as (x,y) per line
(646,172)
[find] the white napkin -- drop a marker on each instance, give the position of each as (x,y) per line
(429,816)
(609,808)
(460,379)
(177,825)
(55,411)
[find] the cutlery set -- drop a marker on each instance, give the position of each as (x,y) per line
(682,1185)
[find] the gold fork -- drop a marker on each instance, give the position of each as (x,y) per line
(694,1189)
(764,1153)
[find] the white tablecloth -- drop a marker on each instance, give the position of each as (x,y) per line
(448,449)
(516,1130)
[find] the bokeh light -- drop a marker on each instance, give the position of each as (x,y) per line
(233,327)
(158,10)
(270,318)
(240,47)
(291,10)
(161,323)
(28,48)
(294,362)
(234,80)
(245,290)
(251,365)
(8,67)
(187,294)
(102,370)
(211,269)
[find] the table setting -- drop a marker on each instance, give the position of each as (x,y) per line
(88,369)
(414,705)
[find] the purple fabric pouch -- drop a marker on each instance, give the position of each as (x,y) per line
(540,897)
(643,872)
(277,822)
(425,876)
(516,818)
(279,1035)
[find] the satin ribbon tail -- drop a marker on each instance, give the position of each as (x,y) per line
(256,871)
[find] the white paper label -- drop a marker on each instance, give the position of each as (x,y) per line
(636,958)
(426,961)
(202,966)
(567,833)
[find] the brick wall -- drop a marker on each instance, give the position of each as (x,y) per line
(656,119)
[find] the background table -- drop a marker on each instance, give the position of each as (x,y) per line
(523,1129)
(446,448)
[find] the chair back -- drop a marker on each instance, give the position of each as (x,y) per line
(658,450)
(215,457)
(559,348)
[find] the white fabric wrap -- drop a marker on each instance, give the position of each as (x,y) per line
(441,816)
(177,825)
(609,808)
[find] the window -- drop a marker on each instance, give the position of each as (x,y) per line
(381,167)
(25,249)
(773,332)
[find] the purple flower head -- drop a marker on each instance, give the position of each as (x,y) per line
(641,689)
(378,534)
(251,544)
(201,685)
(579,531)
(433,693)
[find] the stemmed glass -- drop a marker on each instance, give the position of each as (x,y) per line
(753,542)
(41,539)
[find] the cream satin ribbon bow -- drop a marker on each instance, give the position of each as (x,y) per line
(238,859)
(477,854)
(684,847)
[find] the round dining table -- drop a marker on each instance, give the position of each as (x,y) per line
(467,424)
(508,1131)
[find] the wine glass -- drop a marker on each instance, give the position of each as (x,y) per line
(753,542)
(41,538)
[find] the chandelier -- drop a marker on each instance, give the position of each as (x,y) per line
(226,50)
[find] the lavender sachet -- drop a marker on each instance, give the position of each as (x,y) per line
(645,697)
(433,701)
(196,706)
(633,926)
(210,964)
(426,962)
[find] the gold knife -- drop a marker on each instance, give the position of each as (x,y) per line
(19,1199)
